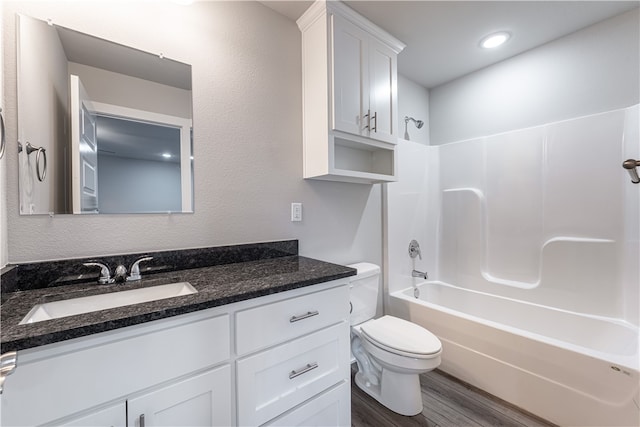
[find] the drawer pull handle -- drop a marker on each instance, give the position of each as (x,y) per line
(304,316)
(309,367)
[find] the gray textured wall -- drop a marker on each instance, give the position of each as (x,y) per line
(247,139)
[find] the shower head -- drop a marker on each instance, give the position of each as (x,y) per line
(418,123)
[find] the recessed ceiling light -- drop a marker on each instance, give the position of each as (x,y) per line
(494,40)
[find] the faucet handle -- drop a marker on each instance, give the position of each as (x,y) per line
(414,249)
(105,275)
(134,271)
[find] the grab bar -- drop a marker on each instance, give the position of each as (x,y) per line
(39,151)
(630,165)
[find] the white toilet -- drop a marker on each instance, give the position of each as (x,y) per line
(390,352)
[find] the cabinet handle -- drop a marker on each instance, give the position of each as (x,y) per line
(309,367)
(304,316)
(368,117)
(141,418)
(375,117)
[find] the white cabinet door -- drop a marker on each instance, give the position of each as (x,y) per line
(383,92)
(113,416)
(202,400)
(350,77)
(364,83)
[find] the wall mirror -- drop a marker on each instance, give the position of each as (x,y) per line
(102,128)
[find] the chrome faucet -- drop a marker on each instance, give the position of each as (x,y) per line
(134,271)
(420,274)
(120,273)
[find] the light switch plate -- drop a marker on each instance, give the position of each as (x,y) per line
(296,212)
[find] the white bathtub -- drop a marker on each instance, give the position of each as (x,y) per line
(568,368)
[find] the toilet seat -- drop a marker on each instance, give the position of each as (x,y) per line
(401,337)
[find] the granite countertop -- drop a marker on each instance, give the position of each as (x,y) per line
(216,285)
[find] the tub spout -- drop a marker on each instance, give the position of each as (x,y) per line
(420,274)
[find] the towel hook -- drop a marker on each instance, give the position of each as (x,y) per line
(39,151)
(630,165)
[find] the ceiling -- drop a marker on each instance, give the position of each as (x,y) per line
(442,37)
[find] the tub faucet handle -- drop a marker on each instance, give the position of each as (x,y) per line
(414,249)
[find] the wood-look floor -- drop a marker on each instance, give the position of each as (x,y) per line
(447,402)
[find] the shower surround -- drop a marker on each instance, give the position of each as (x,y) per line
(545,219)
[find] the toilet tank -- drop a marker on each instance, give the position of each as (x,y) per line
(363,292)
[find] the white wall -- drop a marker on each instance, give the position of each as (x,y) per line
(413,101)
(590,71)
(409,215)
(408,200)
(246,62)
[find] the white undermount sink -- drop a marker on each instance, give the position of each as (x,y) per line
(69,307)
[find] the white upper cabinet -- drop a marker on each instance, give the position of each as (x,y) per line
(350,96)
(364,83)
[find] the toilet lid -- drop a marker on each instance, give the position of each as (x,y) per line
(398,334)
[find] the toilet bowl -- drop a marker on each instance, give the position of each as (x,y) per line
(391,353)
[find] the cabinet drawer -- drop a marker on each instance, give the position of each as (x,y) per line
(331,408)
(273,381)
(270,324)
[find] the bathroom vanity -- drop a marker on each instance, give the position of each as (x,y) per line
(262,342)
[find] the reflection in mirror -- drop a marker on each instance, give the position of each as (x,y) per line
(114,123)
